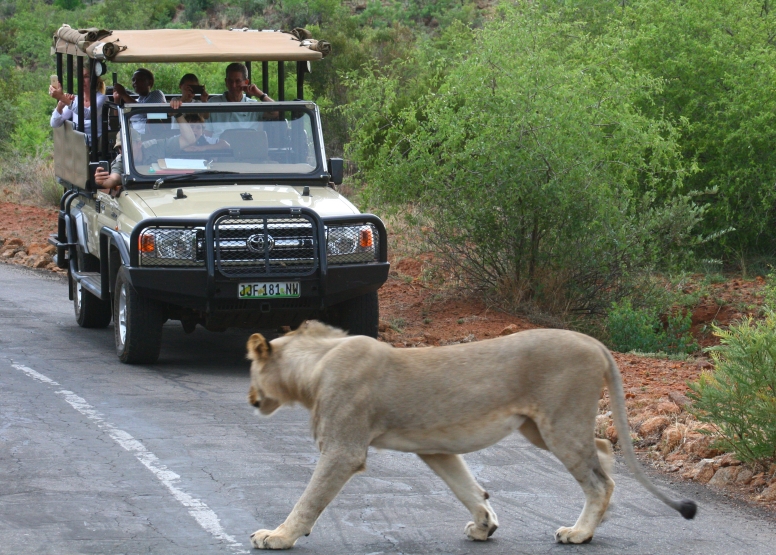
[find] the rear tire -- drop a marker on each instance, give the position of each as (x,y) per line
(358,316)
(90,312)
(138,324)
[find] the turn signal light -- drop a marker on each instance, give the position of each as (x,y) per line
(147,243)
(365,239)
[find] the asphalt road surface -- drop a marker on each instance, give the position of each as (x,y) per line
(101,457)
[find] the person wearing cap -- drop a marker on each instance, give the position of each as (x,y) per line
(142,83)
(111,182)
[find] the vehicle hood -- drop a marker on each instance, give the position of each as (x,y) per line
(202,200)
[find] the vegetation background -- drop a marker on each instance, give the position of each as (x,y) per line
(556,154)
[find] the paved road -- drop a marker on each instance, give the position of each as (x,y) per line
(100,457)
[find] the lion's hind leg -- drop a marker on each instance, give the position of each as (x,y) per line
(585,459)
(453,470)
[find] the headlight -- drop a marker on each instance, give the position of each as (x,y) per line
(351,244)
(168,247)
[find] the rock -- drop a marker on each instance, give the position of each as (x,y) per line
(383,326)
(672,437)
(729,459)
(509,330)
(701,448)
(41,248)
(704,364)
(611,434)
(768,494)
(8,253)
(668,408)
(744,475)
(702,472)
(679,399)
(724,476)
(42,261)
(654,426)
(14,242)
(758,481)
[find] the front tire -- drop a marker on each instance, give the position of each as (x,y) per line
(138,324)
(358,316)
(90,311)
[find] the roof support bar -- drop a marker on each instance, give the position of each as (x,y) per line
(59,68)
(281,81)
(301,68)
(69,83)
(93,112)
(264,76)
(80,78)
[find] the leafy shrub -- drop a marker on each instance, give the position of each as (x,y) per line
(640,329)
(525,163)
(739,395)
(632,329)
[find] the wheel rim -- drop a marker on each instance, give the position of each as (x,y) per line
(122,319)
(78,297)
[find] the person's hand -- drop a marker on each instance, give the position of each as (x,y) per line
(100,176)
(204,96)
(55,91)
(175,104)
(119,92)
(252,90)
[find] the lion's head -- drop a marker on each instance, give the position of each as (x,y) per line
(273,381)
(261,391)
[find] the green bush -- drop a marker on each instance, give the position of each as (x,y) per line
(640,329)
(739,395)
(525,163)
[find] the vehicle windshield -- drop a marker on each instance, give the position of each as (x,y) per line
(214,138)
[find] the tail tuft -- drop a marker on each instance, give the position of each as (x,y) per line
(688,509)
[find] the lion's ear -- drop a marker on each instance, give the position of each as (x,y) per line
(258,348)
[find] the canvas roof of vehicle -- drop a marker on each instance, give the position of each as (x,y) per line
(199,45)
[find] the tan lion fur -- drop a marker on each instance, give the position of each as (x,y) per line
(442,402)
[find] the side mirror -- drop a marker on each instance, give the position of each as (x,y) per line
(336,167)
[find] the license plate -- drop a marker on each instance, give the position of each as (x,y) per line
(268,290)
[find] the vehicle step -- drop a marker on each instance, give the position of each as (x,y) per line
(92,282)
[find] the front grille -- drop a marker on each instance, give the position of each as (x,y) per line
(256,246)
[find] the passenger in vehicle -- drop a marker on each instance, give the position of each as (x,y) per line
(186,85)
(110,182)
(191,139)
(187,92)
(67,105)
(142,83)
(238,89)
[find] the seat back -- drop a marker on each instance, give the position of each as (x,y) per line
(248,145)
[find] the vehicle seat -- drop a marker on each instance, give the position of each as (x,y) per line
(248,145)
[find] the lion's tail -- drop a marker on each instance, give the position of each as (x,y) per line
(686,507)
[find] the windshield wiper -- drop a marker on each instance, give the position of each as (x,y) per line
(162,180)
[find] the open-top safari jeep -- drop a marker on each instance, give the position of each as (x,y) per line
(250,235)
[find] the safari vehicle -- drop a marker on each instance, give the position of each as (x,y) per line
(251,234)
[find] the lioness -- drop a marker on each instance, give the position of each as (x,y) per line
(441,402)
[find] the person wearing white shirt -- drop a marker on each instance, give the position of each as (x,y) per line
(67,106)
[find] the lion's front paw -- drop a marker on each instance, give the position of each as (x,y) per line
(271,539)
(482,530)
(572,535)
